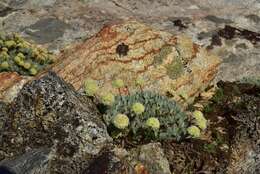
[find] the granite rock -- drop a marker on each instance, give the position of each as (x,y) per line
(169,64)
(49,113)
(149,158)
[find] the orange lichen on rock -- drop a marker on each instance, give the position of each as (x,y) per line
(167,63)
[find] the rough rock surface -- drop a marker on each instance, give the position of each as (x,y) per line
(151,157)
(241,107)
(3,118)
(11,84)
(71,21)
(200,19)
(168,64)
(48,112)
(32,162)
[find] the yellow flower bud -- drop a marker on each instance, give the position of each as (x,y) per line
(194,131)
(139,81)
(4,55)
(121,121)
(91,87)
(138,108)
(108,98)
(33,71)
(153,122)
(20,55)
(17,59)
(10,43)
(198,114)
(5,65)
(27,65)
(5,49)
(200,120)
(118,83)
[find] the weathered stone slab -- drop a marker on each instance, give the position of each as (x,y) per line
(169,64)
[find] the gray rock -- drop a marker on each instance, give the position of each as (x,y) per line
(48,112)
(203,19)
(46,30)
(30,3)
(106,162)
(3,118)
(152,157)
(217,19)
(34,161)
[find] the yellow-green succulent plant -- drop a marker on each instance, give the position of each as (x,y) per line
(146,110)
(153,123)
(91,87)
(18,54)
(108,98)
(194,131)
(121,121)
(138,108)
(118,83)
(200,120)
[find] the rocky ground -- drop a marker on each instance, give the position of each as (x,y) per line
(58,23)
(51,127)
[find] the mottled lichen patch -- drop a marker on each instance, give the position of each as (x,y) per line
(175,69)
(164,52)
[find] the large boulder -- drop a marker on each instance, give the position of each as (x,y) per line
(169,64)
(49,113)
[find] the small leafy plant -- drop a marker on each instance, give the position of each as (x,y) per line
(151,116)
(18,55)
(144,115)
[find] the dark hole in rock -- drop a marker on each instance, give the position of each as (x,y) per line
(215,41)
(122,49)
(179,23)
(102,108)
(229,32)
(94,138)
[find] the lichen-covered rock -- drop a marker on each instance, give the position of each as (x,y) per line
(238,106)
(3,118)
(106,162)
(169,64)
(48,112)
(150,158)
(242,108)
(34,161)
